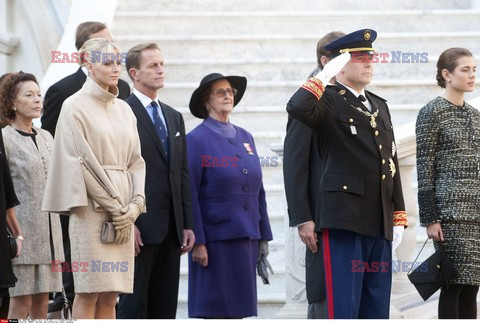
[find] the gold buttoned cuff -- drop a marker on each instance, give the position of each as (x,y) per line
(314,86)
(400,218)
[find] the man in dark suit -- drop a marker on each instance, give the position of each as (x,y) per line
(52,104)
(164,233)
(58,92)
(301,173)
(360,201)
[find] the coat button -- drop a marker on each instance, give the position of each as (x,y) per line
(245,171)
(351,120)
(380,146)
(383,161)
(232,141)
(245,188)
(345,187)
(246,207)
(376,132)
(238,155)
(383,177)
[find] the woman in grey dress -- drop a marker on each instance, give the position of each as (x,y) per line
(448,167)
(27,150)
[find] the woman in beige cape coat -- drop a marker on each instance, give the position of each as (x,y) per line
(97,174)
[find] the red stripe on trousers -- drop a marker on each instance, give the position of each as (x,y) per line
(328,272)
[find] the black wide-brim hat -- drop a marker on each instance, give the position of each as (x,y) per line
(196,105)
(358,41)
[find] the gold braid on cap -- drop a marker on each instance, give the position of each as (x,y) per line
(314,86)
(359,49)
(400,218)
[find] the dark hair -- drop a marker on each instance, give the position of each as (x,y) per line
(448,61)
(8,90)
(85,29)
(327,39)
(134,55)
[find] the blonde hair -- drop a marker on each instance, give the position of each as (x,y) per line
(93,48)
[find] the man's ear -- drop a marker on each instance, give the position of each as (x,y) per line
(133,74)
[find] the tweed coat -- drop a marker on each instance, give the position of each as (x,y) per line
(448,159)
(29,167)
(96,166)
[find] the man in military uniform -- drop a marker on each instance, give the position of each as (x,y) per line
(301,173)
(360,200)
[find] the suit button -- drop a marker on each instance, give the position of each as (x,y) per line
(232,141)
(238,155)
(351,120)
(376,132)
(245,171)
(380,146)
(383,177)
(345,187)
(245,188)
(383,161)
(246,207)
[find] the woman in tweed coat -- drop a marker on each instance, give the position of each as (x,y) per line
(448,167)
(27,150)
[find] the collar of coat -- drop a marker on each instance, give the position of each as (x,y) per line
(90,87)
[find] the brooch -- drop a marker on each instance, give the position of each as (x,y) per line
(248,148)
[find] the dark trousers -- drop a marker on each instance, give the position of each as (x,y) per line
(67,277)
(358,276)
(155,286)
(458,302)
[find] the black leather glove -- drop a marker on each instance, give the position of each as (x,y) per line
(263,266)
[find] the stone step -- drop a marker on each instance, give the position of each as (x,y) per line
(278,93)
(254,46)
(264,69)
(285,5)
(297,22)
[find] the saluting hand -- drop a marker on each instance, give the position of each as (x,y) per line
(332,68)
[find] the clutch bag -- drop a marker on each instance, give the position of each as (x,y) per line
(432,274)
(107,234)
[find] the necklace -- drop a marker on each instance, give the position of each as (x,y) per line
(373,122)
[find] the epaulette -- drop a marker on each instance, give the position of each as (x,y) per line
(373,94)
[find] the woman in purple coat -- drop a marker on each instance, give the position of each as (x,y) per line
(228,204)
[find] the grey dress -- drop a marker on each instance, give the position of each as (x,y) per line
(28,161)
(448,167)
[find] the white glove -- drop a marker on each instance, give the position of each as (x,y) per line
(397,236)
(332,68)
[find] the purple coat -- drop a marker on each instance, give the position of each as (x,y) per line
(230,216)
(228,199)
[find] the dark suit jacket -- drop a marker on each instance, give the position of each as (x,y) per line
(358,190)
(58,92)
(167,183)
(301,173)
